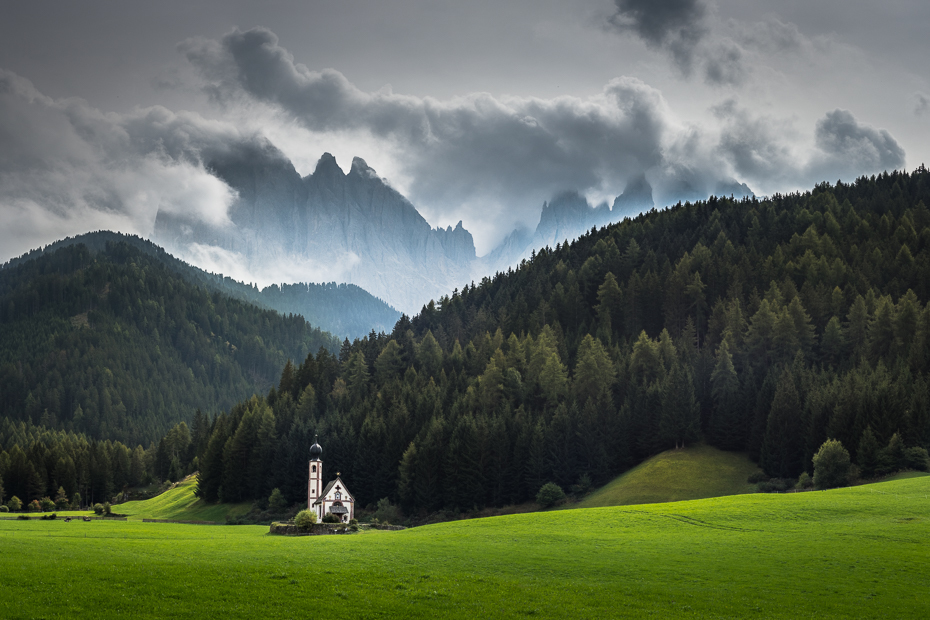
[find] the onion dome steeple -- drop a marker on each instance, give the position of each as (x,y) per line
(315,450)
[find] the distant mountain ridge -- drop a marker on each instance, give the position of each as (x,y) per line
(354,227)
(567,216)
(350,226)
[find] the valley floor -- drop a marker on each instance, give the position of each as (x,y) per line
(849,553)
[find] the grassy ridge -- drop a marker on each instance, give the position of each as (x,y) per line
(858,552)
(696,472)
(180,503)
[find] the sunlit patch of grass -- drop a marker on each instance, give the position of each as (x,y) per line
(695,472)
(180,503)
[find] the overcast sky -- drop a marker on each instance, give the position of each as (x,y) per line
(475,110)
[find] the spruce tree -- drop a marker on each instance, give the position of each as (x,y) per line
(680,422)
(782,449)
(867,456)
(725,426)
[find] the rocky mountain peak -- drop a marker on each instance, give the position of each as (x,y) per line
(327,166)
(636,198)
(362,169)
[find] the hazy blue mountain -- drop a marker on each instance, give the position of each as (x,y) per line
(330,225)
(333,226)
(635,199)
(564,218)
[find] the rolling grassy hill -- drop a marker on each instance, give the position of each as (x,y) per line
(696,472)
(181,504)
(849,553)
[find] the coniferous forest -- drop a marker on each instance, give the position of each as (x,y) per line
(116,345)
(757,325)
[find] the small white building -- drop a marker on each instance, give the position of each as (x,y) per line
(335,498)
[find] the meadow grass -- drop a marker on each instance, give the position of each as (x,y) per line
(695,472)
(860,552)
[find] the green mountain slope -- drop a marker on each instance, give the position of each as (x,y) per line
(695,472)
(115,344)
(848,553)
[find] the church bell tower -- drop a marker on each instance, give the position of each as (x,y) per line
(315,482)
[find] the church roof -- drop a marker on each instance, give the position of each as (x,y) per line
(329,487)
(339,510)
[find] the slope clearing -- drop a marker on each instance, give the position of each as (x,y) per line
(696,472)
(850,553)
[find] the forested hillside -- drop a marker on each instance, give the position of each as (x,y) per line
(341,309)
(70,468)
(114,344)
(759,325)
(763,326)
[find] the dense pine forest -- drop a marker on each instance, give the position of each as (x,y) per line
(71,469)
(114,344)
(757,325)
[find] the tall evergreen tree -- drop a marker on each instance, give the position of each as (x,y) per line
(782,450)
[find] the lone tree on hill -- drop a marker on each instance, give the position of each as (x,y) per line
(549,495)
(277,503)
(831,465)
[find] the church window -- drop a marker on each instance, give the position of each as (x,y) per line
(338,495)
(314,469)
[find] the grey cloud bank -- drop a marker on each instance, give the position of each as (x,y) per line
(489,160)
(484,159)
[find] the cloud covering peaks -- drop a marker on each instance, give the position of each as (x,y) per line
(472,157)
(67,168)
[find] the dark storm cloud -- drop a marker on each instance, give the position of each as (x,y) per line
(676,26)
(482,154)
(724,53)
(476,148)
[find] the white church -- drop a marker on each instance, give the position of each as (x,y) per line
(335,499)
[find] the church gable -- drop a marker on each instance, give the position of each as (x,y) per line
(336,492)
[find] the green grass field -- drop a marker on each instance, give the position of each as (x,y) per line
(859,552)
(696,472)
